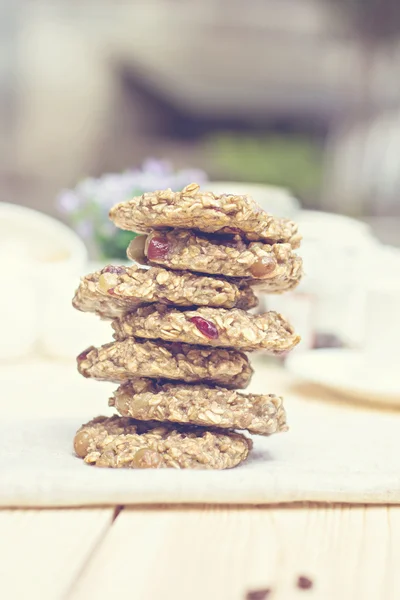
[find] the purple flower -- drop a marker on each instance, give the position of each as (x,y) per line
(88,204)
(84,229)
(68,201)
(160,168)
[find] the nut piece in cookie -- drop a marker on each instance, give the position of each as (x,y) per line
(204,211)
(216,327)
(200,404)
(119,442)
(120,361)
(114,291)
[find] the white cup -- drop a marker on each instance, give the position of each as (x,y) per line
(382,324)
(382,314)
(335,251)
(65,331)
(37,254)
(18,312)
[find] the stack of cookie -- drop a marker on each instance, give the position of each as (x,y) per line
(181,327)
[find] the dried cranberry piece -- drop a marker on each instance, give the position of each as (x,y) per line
(304,583)
(112,269)
(158,248)
(84,354)
(206,327)
(111,291)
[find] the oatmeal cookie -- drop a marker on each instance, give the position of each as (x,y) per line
(119,442)
(114,291)
(276,265)
(204,211)
(200,404)
(218,327)
(119,361)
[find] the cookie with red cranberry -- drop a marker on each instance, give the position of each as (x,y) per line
(276,266)
(206,326)
(200,404)
(193,208)
(120,442)
(114,291)
(123,360)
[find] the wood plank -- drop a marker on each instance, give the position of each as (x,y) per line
(42,552)
(222,553)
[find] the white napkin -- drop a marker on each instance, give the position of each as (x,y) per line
(333,452)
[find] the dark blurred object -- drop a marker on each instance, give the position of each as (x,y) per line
(327,340)
(376,26)
(259,594)
(362,151)
(374,21)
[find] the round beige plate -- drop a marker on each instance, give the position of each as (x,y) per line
(349,372)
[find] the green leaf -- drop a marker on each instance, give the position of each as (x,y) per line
(115,246)
(294,162)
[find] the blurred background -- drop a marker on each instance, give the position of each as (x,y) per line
(101,100)
(299,93)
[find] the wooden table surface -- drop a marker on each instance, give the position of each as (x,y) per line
(198,552)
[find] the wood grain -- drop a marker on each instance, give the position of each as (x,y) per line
(200,553)
(42,552)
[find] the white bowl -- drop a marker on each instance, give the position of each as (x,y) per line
(348,372)
(40,239)
(333,228)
